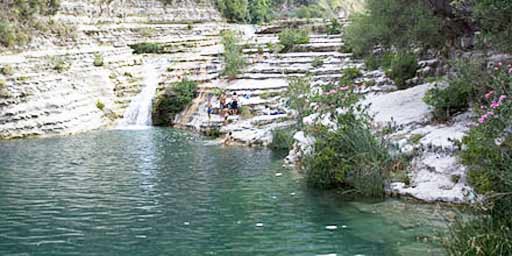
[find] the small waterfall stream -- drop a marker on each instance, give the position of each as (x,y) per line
(138,113)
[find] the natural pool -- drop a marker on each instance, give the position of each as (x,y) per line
(166,192)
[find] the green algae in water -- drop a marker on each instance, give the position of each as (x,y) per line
(165,192)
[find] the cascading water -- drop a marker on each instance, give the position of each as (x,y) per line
(138,114)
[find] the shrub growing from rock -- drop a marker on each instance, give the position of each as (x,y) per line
(317,62)
(334,27)
(100,105)
(394,23)
(141,48)
(487,152)
(402,68)
(463,88)
(172,101)
(7,70)
(350,158)
(282,139)
(494,18)
(234,60)
(98,60)
(298,93)
(288,38)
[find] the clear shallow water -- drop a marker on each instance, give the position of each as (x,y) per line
(164,192)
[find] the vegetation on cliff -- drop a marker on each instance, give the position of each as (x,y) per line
(234,60)
(487,152)
(21,19)
(172,101)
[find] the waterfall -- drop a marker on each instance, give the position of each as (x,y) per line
(138,113)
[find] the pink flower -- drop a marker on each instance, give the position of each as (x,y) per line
(344,88)
(495,104)
(484,118)
(502,98)
(499,64)
(489,94)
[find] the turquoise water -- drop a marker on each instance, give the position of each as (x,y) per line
(165,192)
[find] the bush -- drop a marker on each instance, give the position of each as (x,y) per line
(260,11)
(100,105)
(334,27)
(60,65)
(479,237)
(172,101)
(394,23)
(299,89)
(291,37)
(7,70)
(350,158)
(403,67)
(376,61)
(317,62)
(20,19)
(233,56)
(495,17)
(462,90)
(351,73)
(308,12)
(234,10)
(282,139)
(7,34)
(98,60)
(487,153)
(141,48)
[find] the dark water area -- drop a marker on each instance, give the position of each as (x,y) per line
(166,192)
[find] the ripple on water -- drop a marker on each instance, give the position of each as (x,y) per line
(162,192)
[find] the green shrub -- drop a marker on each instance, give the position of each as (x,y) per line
(260,11)
(308,12)
(334,27)
(282,139)
(7,70)
(7,34)
(98,60)
(317,62)
(376,61)
(291,37)
(479,237)
(351,73)
(60,65)
(172,101)
(20,19)
(462,89)
(495,17)
(403,67)
(141,48)
(487,153)
(100,105)
(394,23)
(234,60)
(350,158)
(234,10)
(3,83)
(298,92)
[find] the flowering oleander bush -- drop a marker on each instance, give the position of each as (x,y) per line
(487,152)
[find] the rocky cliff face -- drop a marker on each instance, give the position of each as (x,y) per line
(55,86)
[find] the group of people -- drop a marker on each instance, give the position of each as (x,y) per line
(226,107)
